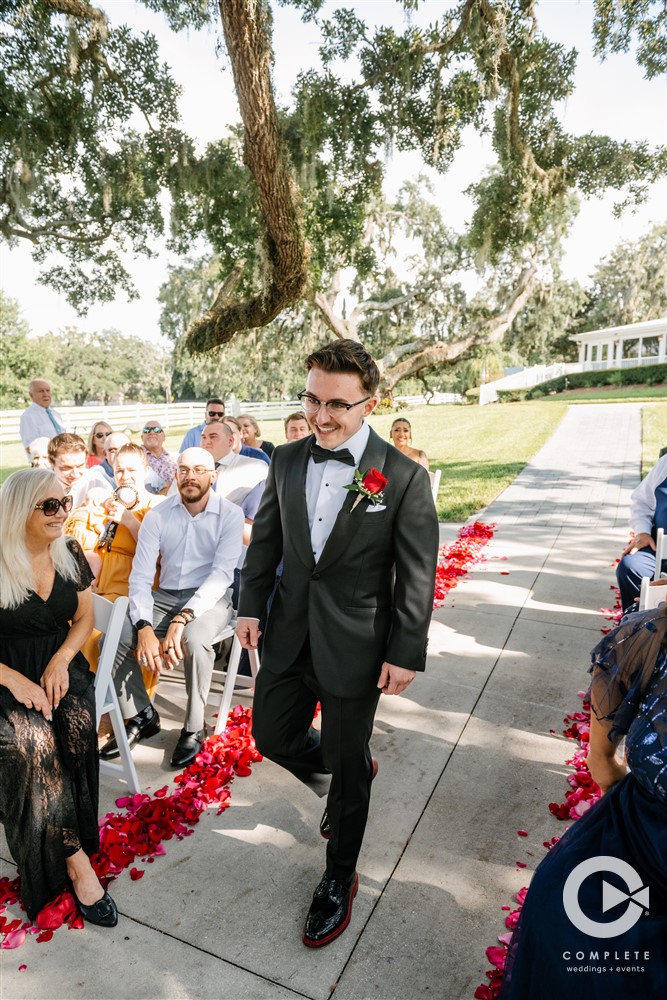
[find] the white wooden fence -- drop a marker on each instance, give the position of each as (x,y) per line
(172,416)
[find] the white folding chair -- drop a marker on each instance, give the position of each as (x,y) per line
(653,593)
(109,618)
(660,553)
(231,677)
(435,484)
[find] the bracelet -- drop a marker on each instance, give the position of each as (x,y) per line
(178,621)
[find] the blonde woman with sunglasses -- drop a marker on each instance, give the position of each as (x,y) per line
(49,774)
(99,433)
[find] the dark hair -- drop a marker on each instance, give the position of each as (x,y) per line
(65,443)
(297,415)
(347,356)
(401,420)
(215,399)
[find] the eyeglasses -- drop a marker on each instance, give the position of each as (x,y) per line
(102,434)
(196,470)
(52,505)
(215,413)
(156,428)
(311,404)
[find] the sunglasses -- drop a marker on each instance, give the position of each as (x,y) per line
(156,428)
(215,413)
(102,434)
(52,505)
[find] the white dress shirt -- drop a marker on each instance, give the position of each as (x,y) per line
(643,501)
(199,551)
(238,475)
(325,492)
(36,423)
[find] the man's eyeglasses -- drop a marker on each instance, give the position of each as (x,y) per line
(311,404)
(196,470)
(102,434)
(52,505)
(215,413)
(148,429)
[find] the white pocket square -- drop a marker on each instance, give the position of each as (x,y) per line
(373,509)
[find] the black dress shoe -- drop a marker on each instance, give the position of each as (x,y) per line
(187,748)
(329,912)
(325,825)
(103,912)
(139,727)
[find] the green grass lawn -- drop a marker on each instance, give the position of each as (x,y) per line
(480,450)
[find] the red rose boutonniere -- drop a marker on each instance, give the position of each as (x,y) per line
(369,487)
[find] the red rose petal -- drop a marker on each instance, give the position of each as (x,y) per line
(522,833)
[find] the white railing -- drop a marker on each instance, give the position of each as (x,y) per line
(172,416)
(528,377)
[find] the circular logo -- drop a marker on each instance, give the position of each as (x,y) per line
(636,897)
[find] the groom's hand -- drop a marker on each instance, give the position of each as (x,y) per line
(393,679)
(247,632)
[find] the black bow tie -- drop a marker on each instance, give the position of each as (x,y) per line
(324,455)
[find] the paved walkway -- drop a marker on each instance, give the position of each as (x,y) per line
(466,759)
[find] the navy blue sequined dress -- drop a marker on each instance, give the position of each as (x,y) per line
(550,958)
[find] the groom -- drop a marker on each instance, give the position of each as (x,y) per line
(351,613)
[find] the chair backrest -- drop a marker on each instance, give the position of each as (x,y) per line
(435,484)
(653,593)
(109,618)
(660,552)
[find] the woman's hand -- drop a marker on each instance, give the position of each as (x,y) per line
(149,653)
(55,679)
(115,510)
(25,692)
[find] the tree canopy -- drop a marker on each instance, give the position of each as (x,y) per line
(289,199)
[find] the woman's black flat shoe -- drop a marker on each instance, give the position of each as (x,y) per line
(103,912)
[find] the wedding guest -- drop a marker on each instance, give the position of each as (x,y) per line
(159,459)
(40,419)
(67,455)
(195,537)
(85,524)
(49,774)
(251,435)
(351,613)
(99,432)
(296,426)
(214,412)
(113,442)
(236,474)
(401,435)
(626,827)
(38,453)
(648,512)
(243,449)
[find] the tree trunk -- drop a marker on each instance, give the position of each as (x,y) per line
(286,251)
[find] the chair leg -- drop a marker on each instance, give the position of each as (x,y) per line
(228,690)
(126,768)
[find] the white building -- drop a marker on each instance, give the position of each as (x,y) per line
(623,346)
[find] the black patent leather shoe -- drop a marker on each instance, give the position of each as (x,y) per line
(103,912)
(187,748)
(139,727)
(329,912)
(325,825)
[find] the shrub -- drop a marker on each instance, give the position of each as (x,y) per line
(512,395)
(646,375)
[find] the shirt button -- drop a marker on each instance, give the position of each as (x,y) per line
(316,576)
(319,519)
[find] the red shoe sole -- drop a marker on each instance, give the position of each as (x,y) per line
(341,927)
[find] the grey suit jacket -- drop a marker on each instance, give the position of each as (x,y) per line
(369,597)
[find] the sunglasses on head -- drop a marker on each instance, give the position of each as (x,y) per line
(52,505)
(156,428)
(215,413)
(102,434)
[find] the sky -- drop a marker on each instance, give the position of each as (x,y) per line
(610,98)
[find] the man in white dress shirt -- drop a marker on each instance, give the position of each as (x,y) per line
(237,475)
(40,420)
(196,535)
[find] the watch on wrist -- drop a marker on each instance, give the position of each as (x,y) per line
(142,623)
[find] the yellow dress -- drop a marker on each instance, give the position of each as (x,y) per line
(114,580)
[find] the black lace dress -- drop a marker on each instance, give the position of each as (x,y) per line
(49,773)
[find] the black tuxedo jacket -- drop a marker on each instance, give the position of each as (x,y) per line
(369,597)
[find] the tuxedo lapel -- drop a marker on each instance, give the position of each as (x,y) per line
(297,510)
(347,523)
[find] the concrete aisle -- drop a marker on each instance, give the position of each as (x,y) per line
(466,759)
